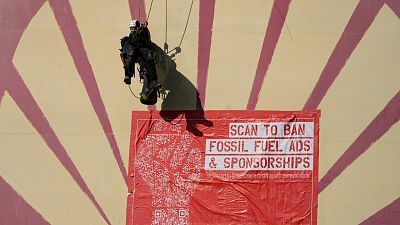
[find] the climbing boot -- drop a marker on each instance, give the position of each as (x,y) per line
(127,80)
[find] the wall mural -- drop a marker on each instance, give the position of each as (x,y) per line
(16,15)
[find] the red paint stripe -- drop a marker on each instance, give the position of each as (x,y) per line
(25,101)
(18,14)
(375,130)
(360,21)
(15,17)
(206,20)
(2,90)
(275,24)
(390,215)
(67,23)
(135,6)
(132,9)
(12,27)
(151,107)
(395,6)
(15,210)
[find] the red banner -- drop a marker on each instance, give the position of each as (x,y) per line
(224,167)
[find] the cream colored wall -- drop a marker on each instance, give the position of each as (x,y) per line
(365,85)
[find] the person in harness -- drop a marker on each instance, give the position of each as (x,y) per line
(137,48)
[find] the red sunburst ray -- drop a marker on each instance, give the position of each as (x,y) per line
(12,28)
(275,24)
(67,23)
(13,206)
(389,215)
(10,80)
(28,105)
(360,21)
(206,20)
(137,7)
(395,6)
(2,91)
(374,131)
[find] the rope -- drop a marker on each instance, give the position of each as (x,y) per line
(148,14)
(284,21)
(136,95)
(187,21)
(166,26)
(184,32)
(132,92)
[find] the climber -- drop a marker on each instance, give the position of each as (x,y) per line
(138,48)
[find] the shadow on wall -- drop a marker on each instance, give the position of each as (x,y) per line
(181,96)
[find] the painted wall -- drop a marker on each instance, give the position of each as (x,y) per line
(65,111)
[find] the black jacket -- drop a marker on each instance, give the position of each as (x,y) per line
(136,39)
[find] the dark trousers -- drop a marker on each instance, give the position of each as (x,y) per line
(145,59)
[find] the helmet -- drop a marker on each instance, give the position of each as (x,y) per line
(134,23)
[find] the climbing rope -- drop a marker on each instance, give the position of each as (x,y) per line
(178,49)
(284,21)
(132,92)
(147,94)
(148,14)
(187,22)
(166,27)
